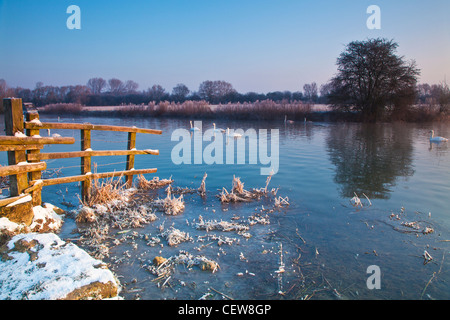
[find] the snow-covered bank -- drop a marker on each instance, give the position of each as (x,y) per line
(36,264)
(43,267)
(46,218)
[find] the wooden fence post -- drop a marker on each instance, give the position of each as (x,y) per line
(14,124)
(35,175)
(86,163)
(130,158)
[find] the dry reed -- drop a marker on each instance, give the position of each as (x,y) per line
(63,108)
(202,189)
(239,194)
(164,268)
(170,205)
(155,183)
(175,236)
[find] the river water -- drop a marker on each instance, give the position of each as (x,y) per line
(324,242)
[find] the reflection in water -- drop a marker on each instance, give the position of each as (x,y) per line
(326,247)
(440,146)
(300,129)
(369,158)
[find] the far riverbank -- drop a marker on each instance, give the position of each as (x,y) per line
(293,111)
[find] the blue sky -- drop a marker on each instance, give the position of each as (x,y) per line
(257,45)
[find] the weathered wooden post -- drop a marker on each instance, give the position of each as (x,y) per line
(86,164)
(18,182)
(13,126)
(130,158)
(35,175)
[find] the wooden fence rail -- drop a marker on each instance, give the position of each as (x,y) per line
(26,161)
(78,154)
(86,177)
(87,126)
(22,168)
(14,140)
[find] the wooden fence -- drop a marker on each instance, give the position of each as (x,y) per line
(26,161)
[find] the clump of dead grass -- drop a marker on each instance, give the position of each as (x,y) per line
(106,191)
(225,226)
(175,236)
(109,206)
(170,205)
(86,215)
(164,268)
(202,188)
(155,183)
(239,194)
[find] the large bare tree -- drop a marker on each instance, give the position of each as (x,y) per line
(372,78)
(116,86)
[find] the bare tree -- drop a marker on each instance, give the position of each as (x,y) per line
(3,87)
(424,90)
(116,86)
(96,85)
(441,96)
(310,92)
(325,90)
(156,92)
(215,91)
(180,92)
(131,86)
(77,94)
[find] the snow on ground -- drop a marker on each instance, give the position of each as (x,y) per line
(44,267)
(45,220)
(36,264)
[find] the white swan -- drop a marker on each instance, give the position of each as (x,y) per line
(219,129)
(287,121)
(194,128)
(234,134)
(436,139)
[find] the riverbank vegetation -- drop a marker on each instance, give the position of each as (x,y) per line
(267,110)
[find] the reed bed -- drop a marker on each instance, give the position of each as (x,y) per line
(265,110)
(165,109)
(62,108)
(259,110)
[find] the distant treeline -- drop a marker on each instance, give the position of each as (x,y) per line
(114,92)
(156,101)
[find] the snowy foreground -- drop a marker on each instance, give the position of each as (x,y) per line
(41,266)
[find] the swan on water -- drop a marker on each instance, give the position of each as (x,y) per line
(194,128)
(219,129)
(287,121)
(234,134)
(436,139)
